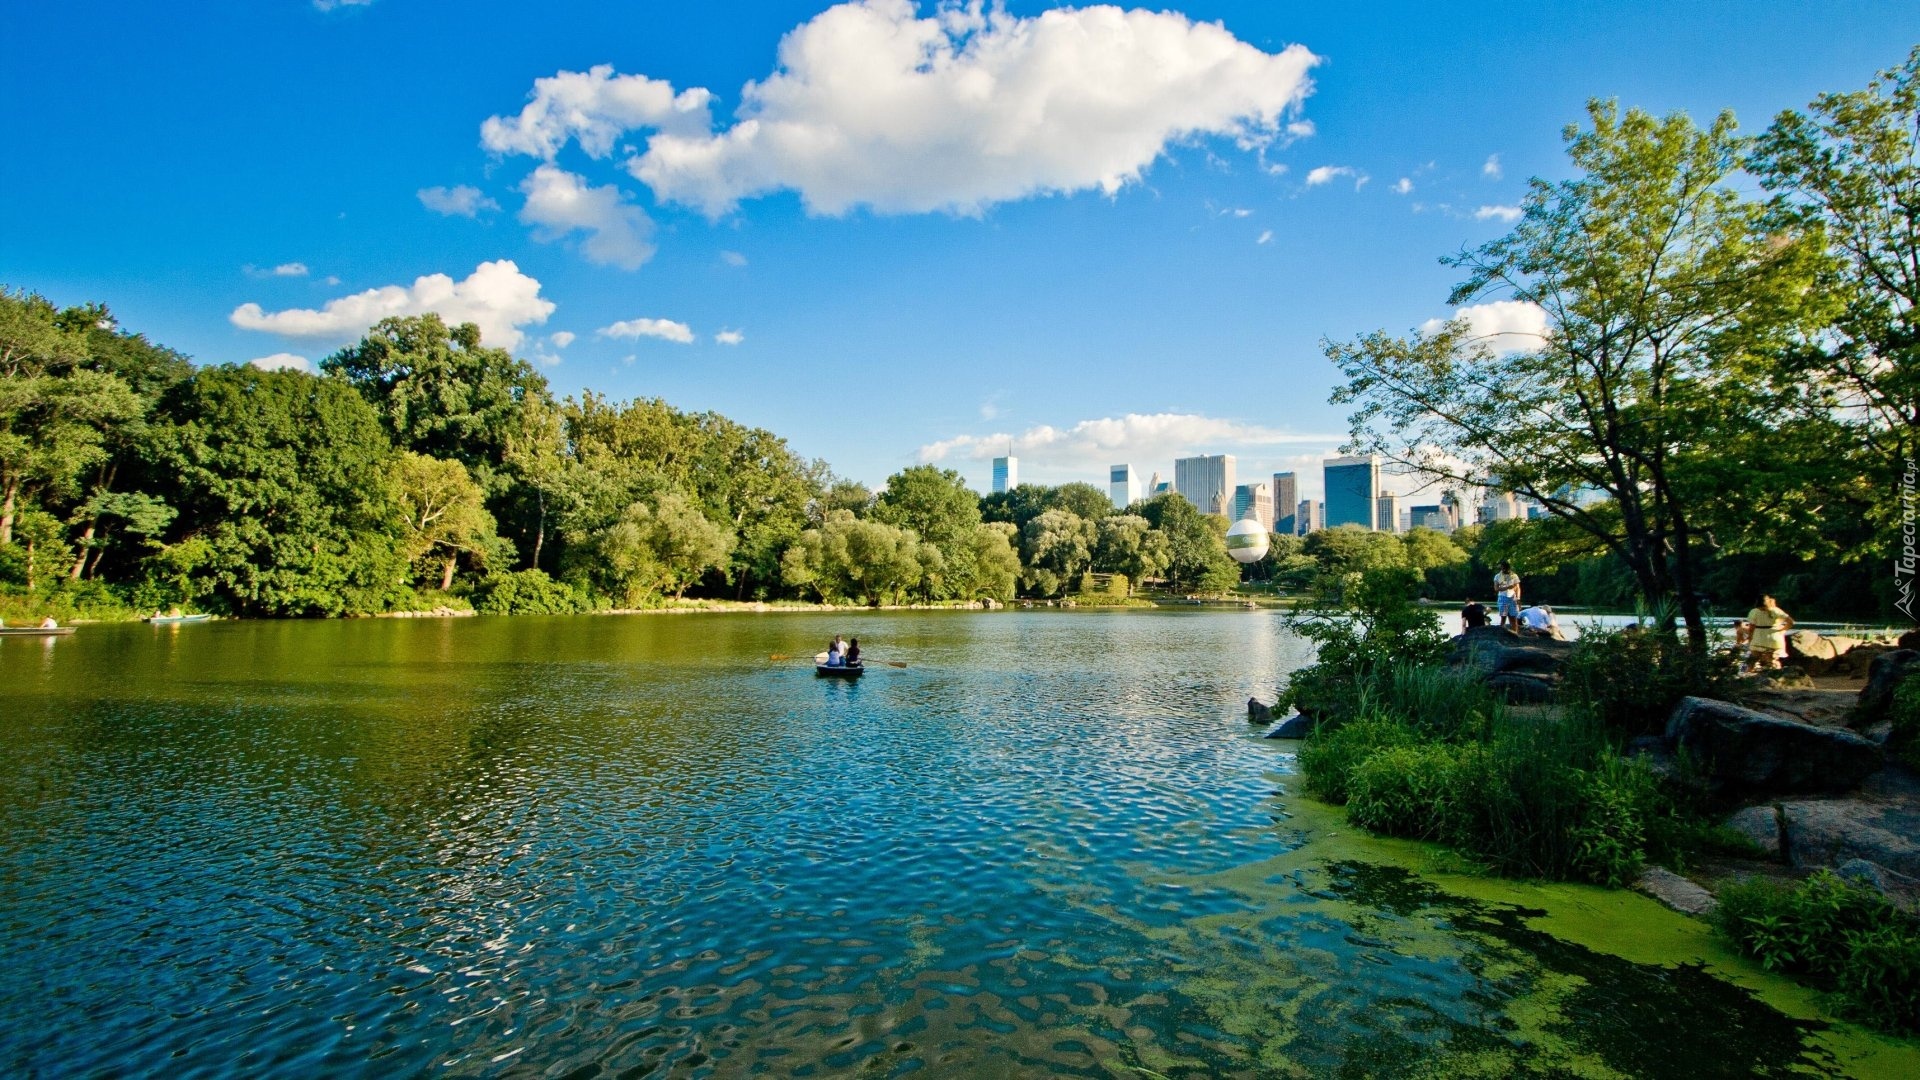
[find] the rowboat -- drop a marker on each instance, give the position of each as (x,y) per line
(841,671)
(35,631)
(158,620)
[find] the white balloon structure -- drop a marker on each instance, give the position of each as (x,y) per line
(1247,541)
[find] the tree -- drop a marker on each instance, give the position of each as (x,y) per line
(849,495)
(662,546)
(937,505)
(1129,544)
(444,511)
(1196,548)
(1016,506)
(1057,547)
(282,479)
(1851,170)
(1659,287)
(1081,500)
(994,564)
(850,559)
(1429,549)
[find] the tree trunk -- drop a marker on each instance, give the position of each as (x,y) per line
(540,531)
(6,512)
(1684,585)
(80,562)
(446,577)
(93,568)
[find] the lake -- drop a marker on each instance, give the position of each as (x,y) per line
(630,846)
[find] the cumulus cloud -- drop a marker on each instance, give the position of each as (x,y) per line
(594,108)
(458,201)
(282,361)
(1326,174)
(497,297)
(1507,326)
(664,329)
(561,338)
(1492,169)
(560,203)
(1301,129)
(872,105)
(729,337)
(1402,186)
(1135,437)
(1497,213)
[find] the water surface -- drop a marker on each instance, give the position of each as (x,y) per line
(633,846)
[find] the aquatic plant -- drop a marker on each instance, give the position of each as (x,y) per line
(1836,935)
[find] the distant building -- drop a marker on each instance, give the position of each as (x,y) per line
(1386,516)
(1501,506)
(1122,486)
(1286,502)
(1206,482)
(1006,473)
(1310,516)
(1353,491)
(1252,501)
(1437,517)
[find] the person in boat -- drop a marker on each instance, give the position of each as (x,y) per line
(1474,615)
(174,612)
(853,653)
(48,623)
(837,652)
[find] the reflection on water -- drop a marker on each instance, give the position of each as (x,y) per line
(636,845)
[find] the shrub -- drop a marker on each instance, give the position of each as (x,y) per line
(1375,627)
(1406,791)
(1836,935)
(526,592)
(1438,701)
(1632,678)
(1329,759)
(1608,840)
(1905,717)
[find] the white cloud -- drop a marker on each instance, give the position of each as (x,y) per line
(1138,438)
(1236,211)
(1328,173)
(1497,213)
(1301,129)
(561,338)
(594,107)
(496,296)
(733,258)
(871,105)
(1266,236)
(458,201)
(559,203)
(1492,168)
(329,5)
(292,269)
(282,361)
(1402,186)
(1505,325)
(730,337)
(665,329)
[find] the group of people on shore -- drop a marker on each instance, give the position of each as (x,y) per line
(1760,638)
(843,653)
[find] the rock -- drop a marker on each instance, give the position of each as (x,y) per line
(1786,678)
(1883,676)
(1523,688)
(1911,639)
(1259,712)
(1833,832)
(1897,887)
(1742,752)
(1496,651)
(1675,891)
(1293,727)
(1760,824)
(1860,658)
(1880,732)
(1813,652)
(991,604)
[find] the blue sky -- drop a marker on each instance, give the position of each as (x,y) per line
(1109,237)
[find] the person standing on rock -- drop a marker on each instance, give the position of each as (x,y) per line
(1768,645)
(1506,590)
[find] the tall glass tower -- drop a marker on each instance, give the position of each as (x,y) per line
(1006,473)
(1353,491)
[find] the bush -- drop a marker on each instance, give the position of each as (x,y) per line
(526,592)
(1905,717)
(1406,791)
(1838,936)
(1374,628)
(1607,843)
(1439,702)
(1632,678)
(1329,760)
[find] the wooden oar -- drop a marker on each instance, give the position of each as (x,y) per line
(821,658)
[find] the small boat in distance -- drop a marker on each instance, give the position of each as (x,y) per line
(160,619)
(35,631)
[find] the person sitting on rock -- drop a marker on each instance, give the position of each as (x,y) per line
(1539,619)
(1474,615)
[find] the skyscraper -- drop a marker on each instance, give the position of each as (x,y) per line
(1207,482)
(1311,516)
(1387,517)
(1353,490)
(1286,502)
(1122,486)
(1252,501)
(1437,516)
(1006,473)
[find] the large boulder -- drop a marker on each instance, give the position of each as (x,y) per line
(1883,676)
(1495,651)
(1293,727)
(1740,752)
(1811,652)
(1833,832)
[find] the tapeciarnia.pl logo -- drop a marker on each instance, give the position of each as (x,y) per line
(1904,560)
